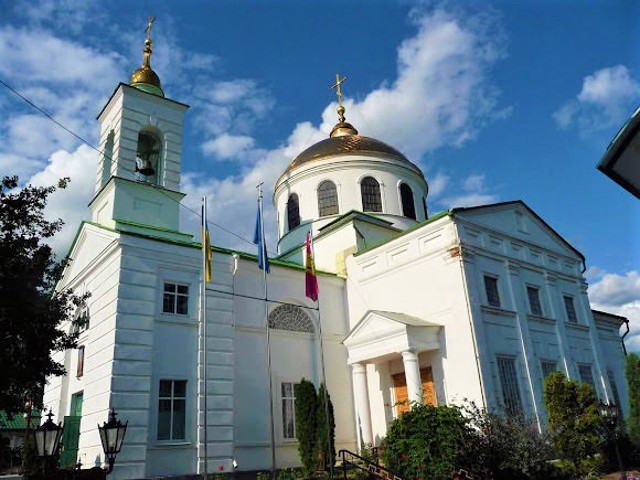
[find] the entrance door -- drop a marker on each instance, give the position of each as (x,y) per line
(71,432)
(402,394)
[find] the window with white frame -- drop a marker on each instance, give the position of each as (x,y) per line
(509,383)
(533,294)
(491,288)
(175,299)
(586,374)
(570,309)
(172,399)
(289,410)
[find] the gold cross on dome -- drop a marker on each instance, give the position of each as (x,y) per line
(339,81)
(148,29)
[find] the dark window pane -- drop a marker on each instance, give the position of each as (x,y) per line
(548,367)
(183,305)
(293,211)
(164,419)
(408,207)
(168,303)
(165,388)
(509,383)
(570,309)
(424,205)
(183,289)
(491,287)
(371,200)
(327,199)
(179,388)
(586,375)
(534,300)
(169,287)
(178,420)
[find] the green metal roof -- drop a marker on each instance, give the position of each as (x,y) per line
(18,421)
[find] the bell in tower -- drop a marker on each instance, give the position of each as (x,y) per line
(147,155)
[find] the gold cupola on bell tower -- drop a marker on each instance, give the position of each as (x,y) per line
(144,78)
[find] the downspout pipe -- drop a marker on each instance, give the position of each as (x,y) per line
(624,348)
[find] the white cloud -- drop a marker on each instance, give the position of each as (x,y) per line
(619,294)
(606,98)
(226,147)
(69,204)
(473,192)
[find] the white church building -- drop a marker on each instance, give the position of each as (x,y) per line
(475,304)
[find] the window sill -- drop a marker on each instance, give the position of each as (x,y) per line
(498,311)
(171,444)
(541,319)
(577,326)
(176,318)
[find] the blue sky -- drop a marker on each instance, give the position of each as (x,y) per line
(496,101)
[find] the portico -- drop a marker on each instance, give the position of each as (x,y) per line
(383,338)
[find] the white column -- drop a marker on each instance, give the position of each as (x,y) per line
(412,374)
(361,395)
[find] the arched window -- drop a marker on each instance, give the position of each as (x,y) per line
(147,155)
(371,200)
(327,198)
(107,155)
(424,205)
(408,207)
(290,317)
(293,212)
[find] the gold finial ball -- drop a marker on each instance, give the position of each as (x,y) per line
(341,110)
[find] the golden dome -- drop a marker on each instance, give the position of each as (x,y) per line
(144,78)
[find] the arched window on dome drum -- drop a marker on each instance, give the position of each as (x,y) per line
(327,198)
(424,205)
(290,317)
(408,207)
(371,200)
(293,211)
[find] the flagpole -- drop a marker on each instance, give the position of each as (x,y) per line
(263,247)
(324,375)
(204,336)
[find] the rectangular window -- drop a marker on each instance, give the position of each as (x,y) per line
(586,375)
(614,387)
(80,366)
(172,401)
(509,382)
(289,410)
(533,293)
(175,299)
(491,287)
(570,309)
(548,367)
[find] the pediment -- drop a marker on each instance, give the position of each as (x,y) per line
(91,242)
(381,333)
(517,220)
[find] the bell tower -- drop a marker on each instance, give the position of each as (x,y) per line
(138,181)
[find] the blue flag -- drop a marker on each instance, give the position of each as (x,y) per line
(258,239)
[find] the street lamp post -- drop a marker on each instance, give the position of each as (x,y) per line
(48,437)
(610,413)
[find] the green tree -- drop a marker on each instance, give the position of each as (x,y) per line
(632,371)
(306,408)
(427,442)
(30,310)
(574,421)
(326,448)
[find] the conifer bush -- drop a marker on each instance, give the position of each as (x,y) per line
(326,449)
(306,411)
(632,371)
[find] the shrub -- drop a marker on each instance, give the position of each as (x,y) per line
(306,408)
(326,448)
(506,447)
(632,371)
(574,421)
(426,442)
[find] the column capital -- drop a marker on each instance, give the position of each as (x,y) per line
(358,368)
(410,354)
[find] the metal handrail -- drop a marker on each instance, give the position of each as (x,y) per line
(368,466)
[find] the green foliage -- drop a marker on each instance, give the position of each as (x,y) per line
(574,421)
(632,371)
(30,312)
(427,442)
(306,408)
(505,447)
(326,449)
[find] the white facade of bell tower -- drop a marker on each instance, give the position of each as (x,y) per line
(135,125)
